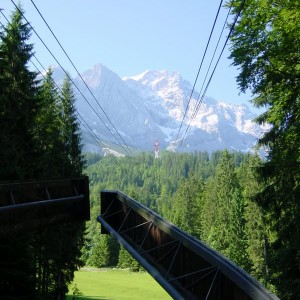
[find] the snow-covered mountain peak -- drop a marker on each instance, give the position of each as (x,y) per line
(157,80)
(97,75)
(150,106)
(136,77)
(165,89)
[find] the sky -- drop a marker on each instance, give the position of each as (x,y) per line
(132,36)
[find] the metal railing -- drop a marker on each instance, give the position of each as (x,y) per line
(184,266)
(27,205)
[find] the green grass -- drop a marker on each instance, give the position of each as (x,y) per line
(117,284)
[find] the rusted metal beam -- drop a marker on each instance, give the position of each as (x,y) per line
(183,265)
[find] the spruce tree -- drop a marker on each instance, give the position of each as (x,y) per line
(19,103)
(223,215)
(265,48)
(257,232)
(38,131)
(127,261)
(186,206)
(60,244)
(17,268)
(70,164)
(73,160)
(49,145)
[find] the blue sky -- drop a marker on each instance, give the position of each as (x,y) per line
(132,36)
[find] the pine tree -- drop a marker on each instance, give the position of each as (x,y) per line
(105,251)
(47,130)
(39,131)
(265,48)
(19,103)
(223,213)
(186,207)
(73,160)
(127,261)
(256,229)
(57,249)
(67,162)
(17,268)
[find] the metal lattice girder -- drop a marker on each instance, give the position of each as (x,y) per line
(28,205)
(184,266)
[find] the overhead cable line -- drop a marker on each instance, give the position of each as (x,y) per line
(211,61)
(207,44)
(89,131)
(199,101)
(66,73)
(94,137)
(212,74)
(83,122)
(121,138)
(58,87)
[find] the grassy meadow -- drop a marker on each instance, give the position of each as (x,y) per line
(116,284)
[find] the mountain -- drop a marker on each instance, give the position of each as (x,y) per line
(110,96)
(150,106)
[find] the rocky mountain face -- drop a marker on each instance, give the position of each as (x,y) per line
(150,107)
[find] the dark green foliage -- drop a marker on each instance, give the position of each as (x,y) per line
(187,205)
(19,103)
(257,232)
(17,273)
(104,252)
(39,137)
(19,106)
(98,250)
(223,215)
(209,198)
(47,130)
(127,261)
(58,249)
(265,47)
(92,158)
(57,253)
(71,158)
(153,182)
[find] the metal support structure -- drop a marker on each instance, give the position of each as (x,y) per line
(156,149)
(27,205)
(184,266)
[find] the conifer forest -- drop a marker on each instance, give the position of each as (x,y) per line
(244,205)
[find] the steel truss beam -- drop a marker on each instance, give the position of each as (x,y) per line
(184,266)
(27,205)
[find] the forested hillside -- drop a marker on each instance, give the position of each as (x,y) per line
(210,197)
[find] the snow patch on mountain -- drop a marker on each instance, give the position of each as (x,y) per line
(167,96)
(150,106)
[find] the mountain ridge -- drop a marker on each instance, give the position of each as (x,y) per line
(150,106)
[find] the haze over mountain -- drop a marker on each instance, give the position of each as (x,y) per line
(150,106)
